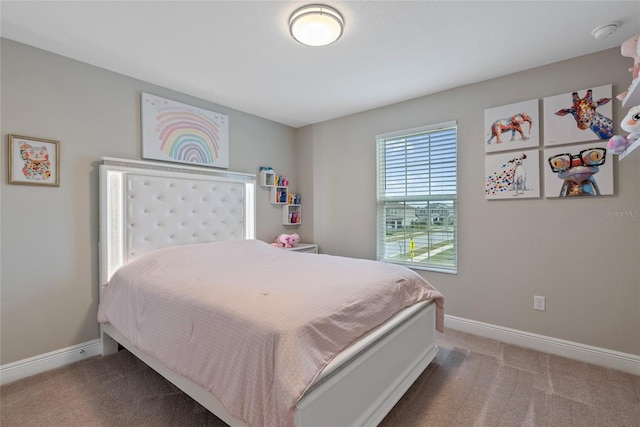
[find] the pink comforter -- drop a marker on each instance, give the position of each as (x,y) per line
(251,323)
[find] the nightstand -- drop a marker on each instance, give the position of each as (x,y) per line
(305,247)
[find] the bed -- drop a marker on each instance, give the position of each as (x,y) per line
(158,222)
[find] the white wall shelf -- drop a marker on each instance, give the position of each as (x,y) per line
(267,178)
(292,215)
(632,151)
(633,95)
(279,195)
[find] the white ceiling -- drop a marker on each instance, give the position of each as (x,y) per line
(240,54)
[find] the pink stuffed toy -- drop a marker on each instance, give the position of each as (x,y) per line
(631,123)
(286,240)
(629,49)
(294,239)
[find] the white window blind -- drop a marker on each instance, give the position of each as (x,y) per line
(417,197)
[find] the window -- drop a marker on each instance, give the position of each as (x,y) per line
(417,197)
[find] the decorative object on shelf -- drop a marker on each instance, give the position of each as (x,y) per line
(631,123)
(34,161)
(587,122)
(512,175)
(630,48)
(176,132)
(286,240)
(294,199)
(281,181)
(580,170)
(513,126)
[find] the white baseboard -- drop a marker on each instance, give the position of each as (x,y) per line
(44,362)
(598,356)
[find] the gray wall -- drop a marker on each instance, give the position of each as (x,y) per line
(49,264)
(49,285)
(569,250)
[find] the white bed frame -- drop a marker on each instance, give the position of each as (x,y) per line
(147,205)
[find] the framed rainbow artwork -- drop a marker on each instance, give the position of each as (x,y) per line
(176,132)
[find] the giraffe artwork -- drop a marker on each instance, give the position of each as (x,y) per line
(591,116)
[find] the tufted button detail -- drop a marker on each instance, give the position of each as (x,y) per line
(162,210)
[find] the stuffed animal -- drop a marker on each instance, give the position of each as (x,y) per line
(630,123)
(286,240)
(294,239)
(630,48)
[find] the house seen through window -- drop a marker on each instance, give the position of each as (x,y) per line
(417,197)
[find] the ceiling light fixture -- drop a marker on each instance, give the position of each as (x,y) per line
(316,25)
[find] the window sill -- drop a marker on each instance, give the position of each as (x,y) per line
(424,267)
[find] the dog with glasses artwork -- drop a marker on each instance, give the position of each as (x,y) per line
(578,171)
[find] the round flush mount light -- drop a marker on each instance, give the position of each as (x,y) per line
(604,31)
(316,25)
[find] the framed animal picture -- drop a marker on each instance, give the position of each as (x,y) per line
(584,170)
(34,161)
(579,116)
(514,175)
(512,127)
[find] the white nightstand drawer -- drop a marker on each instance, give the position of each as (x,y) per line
(305,247)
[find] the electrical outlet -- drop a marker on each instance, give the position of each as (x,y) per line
(538,303)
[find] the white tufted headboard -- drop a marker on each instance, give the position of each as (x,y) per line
(149,205)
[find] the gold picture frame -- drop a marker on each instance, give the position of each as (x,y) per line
(34,161)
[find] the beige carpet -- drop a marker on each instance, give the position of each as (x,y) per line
(472,382)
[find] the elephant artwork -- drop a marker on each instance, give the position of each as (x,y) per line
(513,126)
